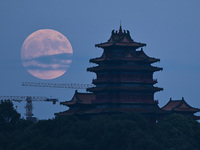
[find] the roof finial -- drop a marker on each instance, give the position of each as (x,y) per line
(120,28)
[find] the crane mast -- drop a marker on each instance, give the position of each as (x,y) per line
(29,108)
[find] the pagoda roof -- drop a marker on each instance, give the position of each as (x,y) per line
(119,110)
(80,98)
(137,56)
(110,109)
(109,88)
(104,110)
(67,112)
(139,68)
(124,80)
(179,106)
(121,38)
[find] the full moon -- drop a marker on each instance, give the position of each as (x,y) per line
(46,54)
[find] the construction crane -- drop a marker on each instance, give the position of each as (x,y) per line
(29,105)
(51,85)
(58,85)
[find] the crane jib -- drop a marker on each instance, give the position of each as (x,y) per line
(58,85)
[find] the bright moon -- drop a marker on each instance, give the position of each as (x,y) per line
(46,54)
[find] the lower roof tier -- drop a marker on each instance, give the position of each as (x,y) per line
(124,88)
(95,102)
(124,80)
(138,60)
(101,110)
(110,108)
(124,55)
(124,68)
(133,44)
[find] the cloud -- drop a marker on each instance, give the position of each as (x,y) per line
(50,62)
(47,74)
(52,58)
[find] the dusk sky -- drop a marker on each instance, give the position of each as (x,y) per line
(171,30)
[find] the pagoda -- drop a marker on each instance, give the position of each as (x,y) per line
(124,83)
(124,80)
(124,73)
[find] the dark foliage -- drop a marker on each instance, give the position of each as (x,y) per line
(109,132)
(8,115)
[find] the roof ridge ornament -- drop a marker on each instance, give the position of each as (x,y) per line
(120,38)
(120,28)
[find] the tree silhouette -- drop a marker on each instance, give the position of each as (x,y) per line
(112,131)
(8,115)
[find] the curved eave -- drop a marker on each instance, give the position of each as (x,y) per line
(77,104)
(120,110)
(145,60)
(134,103)
(122,81)
(189,110)
(116,88)
(66,103)
(153,60)
(99,68)
(182,111)
(109,44)
(175,106)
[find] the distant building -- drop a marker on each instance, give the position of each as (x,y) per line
(180,107)
(124,81)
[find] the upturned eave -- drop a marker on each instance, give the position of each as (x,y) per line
(131,68)
(122,88)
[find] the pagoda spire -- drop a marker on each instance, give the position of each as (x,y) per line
(120,29)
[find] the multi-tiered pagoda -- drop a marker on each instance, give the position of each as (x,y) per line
(124,81)
(124,73)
